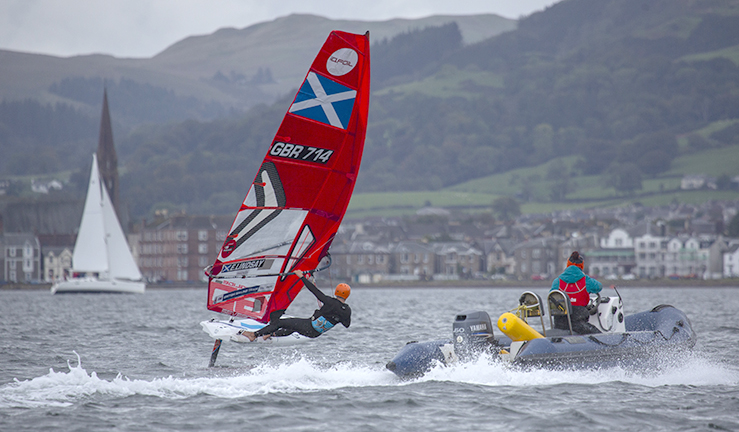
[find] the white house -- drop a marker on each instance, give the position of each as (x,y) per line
(684,257)
(617,239)
(22,253)
(57,263)
(649,256)
(731,262)
(697,181)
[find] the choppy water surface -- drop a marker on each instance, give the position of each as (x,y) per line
(130,362)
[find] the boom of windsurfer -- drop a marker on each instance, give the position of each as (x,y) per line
(332,311)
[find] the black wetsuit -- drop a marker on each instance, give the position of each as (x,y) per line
(332,312)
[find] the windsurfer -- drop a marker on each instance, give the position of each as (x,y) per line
(578,286)
(332,311)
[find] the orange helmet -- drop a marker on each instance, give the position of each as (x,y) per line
(342,290)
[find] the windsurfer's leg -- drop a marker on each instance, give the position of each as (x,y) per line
(288,326)
(283,332)
(269,328)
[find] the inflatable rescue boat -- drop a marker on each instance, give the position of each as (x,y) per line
(643,339)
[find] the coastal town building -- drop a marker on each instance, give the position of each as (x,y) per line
(21,258)
(538,258)
(673,241)
(499,256)
(57,263)
(648,249)
(615,258)
(178,248)
(457,260)
(363,261)
(731,262)
(56,251)
(413,260)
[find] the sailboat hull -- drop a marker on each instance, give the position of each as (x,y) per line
(94,285)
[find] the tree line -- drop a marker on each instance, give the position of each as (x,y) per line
(608,82)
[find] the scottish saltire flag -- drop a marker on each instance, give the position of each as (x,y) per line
(324,100)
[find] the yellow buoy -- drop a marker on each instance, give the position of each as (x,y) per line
(516,328)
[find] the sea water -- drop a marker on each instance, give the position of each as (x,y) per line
(140,363)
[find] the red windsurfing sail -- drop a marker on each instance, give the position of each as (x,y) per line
(299,196)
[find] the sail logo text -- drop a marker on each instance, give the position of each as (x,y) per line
(244,265)
(342,61)
(299,152)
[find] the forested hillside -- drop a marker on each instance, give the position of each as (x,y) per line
(622,87)
(615,82)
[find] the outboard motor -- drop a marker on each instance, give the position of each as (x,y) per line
(473,333)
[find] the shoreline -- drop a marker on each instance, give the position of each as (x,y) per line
(638,283)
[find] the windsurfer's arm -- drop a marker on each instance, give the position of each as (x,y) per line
(347,319)
(312,288)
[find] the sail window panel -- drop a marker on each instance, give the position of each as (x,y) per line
(273,238)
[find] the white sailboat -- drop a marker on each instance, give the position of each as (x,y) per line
(101,252)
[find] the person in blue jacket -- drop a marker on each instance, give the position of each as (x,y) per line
(577,286)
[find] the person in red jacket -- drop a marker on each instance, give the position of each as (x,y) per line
(578,286)
(334,310)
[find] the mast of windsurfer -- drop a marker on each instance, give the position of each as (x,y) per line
(334,310)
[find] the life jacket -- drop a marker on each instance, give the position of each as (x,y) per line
(575,291)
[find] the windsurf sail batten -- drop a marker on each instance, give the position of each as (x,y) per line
(299,195)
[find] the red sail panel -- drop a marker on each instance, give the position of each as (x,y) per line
(300,194)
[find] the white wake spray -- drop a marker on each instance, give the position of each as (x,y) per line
(299,375)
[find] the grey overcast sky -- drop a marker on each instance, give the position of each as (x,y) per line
(142,28)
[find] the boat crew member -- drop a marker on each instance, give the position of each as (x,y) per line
(578,286)
(333,311)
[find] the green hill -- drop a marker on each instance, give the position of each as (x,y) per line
(228,69)
(587,103)
(587,191)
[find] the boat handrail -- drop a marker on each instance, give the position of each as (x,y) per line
(559,305)
(530,306)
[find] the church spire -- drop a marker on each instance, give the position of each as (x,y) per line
(107,159)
